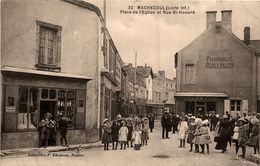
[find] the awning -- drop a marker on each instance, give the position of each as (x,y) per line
(150,103)
(44,73)
(197,94)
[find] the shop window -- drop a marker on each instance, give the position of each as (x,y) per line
(45,93)
(189,73)
(66,105)
(48,45)
(52,94)
(235,105)
(27,112)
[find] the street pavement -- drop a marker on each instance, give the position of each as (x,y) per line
(159,152)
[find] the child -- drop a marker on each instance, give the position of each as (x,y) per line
(254,139)
(191,131)
(63,126)
(196,139)
(123,132)
(130,131)
(137,138)
(106,139)
(235,136)
(115,130)
(145,131)
(204,136)
(243,136)
(182,128)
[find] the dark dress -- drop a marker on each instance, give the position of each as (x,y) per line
(107,134)
(115,131)
(191,132)
(225,134)
(130,131)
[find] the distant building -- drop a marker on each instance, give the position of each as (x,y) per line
(217,71)
(163,95)
(137,92)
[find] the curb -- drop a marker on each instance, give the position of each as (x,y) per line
(254,158)
(21,152)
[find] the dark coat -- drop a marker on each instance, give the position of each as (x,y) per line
(166,122)
(151,122)
(115,130)
(107,134)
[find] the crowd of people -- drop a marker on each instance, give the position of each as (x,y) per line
(201,130)
(127,132)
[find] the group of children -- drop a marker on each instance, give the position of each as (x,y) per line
(127,132)
(198,134)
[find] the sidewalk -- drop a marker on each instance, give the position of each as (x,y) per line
(253,158)
(26,151)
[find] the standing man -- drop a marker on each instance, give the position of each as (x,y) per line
(175,121)
(166,124)
(151,122)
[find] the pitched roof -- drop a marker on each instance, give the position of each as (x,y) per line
(218,25)
(131,76)
(144,71)
(255,46)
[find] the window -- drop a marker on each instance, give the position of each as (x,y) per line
(27,112)
(235,105)
(189,73)
(66,105)
(48,45)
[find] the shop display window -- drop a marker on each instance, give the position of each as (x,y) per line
(27,113)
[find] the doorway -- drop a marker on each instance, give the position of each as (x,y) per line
(47,106)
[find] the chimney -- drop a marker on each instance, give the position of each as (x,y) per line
(247,35)
(211,18)
(226,16)
(162,73)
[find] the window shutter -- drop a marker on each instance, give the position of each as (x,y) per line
(244,106)
(226,106)
(81,109)
(57,58)
(10,118)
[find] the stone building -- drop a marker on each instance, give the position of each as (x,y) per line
(163,95)
(217,71)
(50,63)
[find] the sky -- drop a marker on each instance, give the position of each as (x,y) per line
(157,37)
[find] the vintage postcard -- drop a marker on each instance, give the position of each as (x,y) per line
(130,82)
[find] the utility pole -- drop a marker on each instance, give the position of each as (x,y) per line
(135,86)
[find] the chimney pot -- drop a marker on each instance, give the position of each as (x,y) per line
(247,35)
(226,16)
(211,18)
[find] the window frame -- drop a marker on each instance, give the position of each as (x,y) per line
(56,48)
(237,104)
(192,75)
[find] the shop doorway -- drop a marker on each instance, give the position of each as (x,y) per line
(47,106)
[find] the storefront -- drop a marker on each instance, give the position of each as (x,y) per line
(200,103)
(29,95)
(156,108)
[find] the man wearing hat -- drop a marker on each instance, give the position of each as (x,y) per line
(166,125)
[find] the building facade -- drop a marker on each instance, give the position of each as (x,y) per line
(217,71)
(163,94)
(50,63)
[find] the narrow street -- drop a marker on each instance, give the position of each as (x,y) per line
(158,152)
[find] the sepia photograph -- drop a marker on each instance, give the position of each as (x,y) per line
(130,83)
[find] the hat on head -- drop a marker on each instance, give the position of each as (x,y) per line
(198,121)
(254,121)
(105,120)
(48,115)
(193,117)
(242,120)
(118,116)
(204,122)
